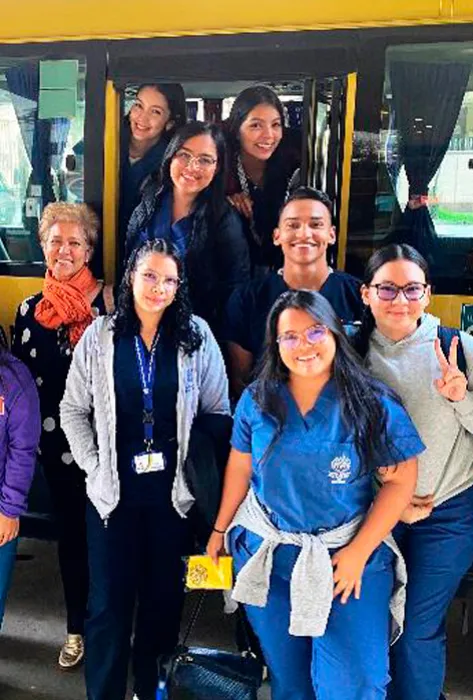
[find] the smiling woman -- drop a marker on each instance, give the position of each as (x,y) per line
(309,435)
(47,329)
(157,111)
(68,234)
(187,207)
(260,172)
(163,368)
(401,342)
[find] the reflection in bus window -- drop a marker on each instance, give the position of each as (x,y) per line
(425,162)
(36,165)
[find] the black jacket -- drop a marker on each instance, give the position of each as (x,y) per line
(207,456)
(217,257)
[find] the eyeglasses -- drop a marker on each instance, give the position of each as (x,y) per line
(153,279)
(203,162)
(413,291)
(313,335)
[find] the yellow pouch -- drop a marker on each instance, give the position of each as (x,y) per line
(203,574)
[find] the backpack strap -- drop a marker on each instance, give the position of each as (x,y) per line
(446,335)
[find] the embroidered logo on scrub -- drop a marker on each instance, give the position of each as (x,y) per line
(340,470)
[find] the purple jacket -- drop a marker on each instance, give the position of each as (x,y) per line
(20,428)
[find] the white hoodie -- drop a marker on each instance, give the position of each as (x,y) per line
(410,367)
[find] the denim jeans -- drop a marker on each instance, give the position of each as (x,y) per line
(7,560)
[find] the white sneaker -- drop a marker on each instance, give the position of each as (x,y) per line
(72,652)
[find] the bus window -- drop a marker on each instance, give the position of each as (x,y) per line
(41,152)
(424,154)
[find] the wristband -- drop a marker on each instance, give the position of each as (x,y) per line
(220,532)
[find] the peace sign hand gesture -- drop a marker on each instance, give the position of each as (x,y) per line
(452,384)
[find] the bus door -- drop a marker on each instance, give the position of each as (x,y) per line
(311,80)
(330,115)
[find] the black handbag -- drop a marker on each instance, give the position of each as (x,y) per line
(212,674)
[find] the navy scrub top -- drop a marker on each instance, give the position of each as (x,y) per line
(154,488)
(161,226)
(249,307)
(133,175)
(311,479)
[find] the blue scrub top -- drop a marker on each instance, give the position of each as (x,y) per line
(311,479)
(248,307)
(161,226)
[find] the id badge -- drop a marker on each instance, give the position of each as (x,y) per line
(148,462)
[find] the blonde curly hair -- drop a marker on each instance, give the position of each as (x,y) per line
(80,214)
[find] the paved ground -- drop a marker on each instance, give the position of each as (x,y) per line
(33,631)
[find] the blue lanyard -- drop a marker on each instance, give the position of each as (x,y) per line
(147,371)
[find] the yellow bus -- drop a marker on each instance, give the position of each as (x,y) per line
(382,94)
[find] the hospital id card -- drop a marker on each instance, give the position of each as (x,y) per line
(148,462)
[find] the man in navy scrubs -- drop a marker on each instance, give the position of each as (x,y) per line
(305,231)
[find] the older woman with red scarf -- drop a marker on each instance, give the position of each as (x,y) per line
(47,328)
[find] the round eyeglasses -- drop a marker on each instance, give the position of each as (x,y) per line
(413,291)
(313,335)
(153,279)
(203,162)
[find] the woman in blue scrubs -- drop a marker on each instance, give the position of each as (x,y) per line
(303,524)
(403,349)
(137,382)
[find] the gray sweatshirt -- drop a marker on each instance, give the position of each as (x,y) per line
(410,367)
(88,415)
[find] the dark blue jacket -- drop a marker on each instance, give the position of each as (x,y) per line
(217,258)
(133,176)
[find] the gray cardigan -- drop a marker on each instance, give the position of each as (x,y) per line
(88,410)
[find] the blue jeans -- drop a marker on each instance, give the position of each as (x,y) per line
(438,552)
(350,661)
(7,560)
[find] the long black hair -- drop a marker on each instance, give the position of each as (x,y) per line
(358,392)
(176,99)
(214,193)
(387,254)
(177,318)
(248,99)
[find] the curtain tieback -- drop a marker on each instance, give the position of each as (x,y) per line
(416,201)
